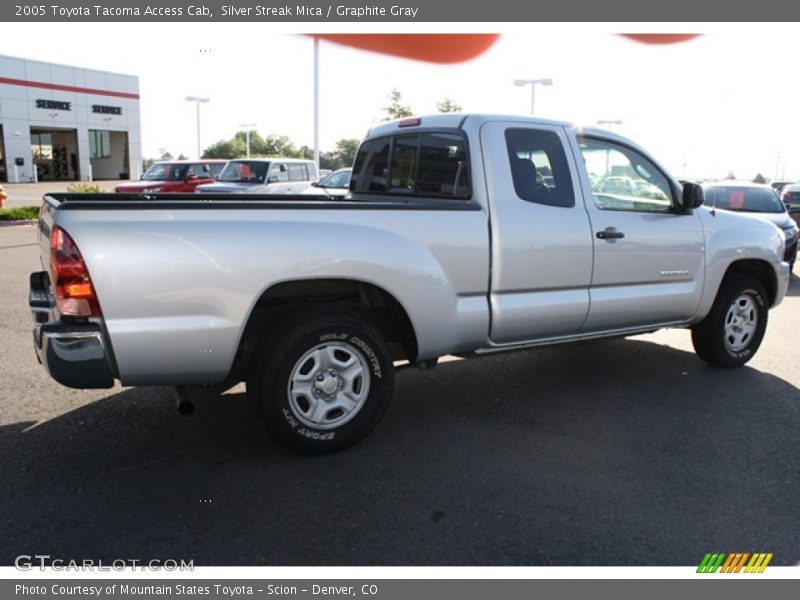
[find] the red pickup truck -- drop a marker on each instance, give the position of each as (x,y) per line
(174,176)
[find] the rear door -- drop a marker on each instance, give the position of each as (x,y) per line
(648,258)
(541,240)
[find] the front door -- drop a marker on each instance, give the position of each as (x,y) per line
(648,258)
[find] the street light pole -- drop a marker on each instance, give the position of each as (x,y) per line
(198,100)
(247,127)
(533,83)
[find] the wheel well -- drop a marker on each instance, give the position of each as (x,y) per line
(281,300)
(757,269)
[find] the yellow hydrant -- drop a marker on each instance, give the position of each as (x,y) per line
(3,197)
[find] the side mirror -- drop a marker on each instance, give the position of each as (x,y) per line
(274,178)
(191,176)
(692,196)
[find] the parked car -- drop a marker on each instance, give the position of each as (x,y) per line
(779,186)
(618,185)
(791,199)
(263,176)
(449,244)
(174,177)
(759,201)
(335,185)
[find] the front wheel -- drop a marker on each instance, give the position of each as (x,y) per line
(323,383)
(731,333)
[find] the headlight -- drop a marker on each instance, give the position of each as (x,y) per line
(790,234)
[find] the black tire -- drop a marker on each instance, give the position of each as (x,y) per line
(305,377)
(731,333)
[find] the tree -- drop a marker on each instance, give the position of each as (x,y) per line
(759,178)
(730,175)
(396,108)
(448,106)
(182,156)
(274,145)
(225,149)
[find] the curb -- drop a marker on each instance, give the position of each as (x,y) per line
(17,223)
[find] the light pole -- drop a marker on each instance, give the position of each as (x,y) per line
(533,83)
(197,100)
(247,127)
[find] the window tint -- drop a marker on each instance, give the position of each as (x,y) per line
(539,167)
(443,166)
(404,162)
(428,164)
(623,179)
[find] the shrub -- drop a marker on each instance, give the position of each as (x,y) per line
(20,213)
(85,188)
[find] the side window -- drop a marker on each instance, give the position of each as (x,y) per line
(216,169)
(280,171)
(539,167)
(202,171)
(623,179)
(297,172)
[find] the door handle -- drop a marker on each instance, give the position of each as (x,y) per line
(610,233)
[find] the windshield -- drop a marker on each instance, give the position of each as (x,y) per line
(746,199)
(166,172)
(245,171)
(338,179)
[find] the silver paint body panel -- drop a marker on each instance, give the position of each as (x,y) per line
(177,287)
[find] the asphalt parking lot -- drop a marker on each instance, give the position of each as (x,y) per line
(624,452)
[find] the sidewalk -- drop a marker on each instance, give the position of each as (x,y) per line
(30,194)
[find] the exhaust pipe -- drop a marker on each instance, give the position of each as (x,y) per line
(182,401)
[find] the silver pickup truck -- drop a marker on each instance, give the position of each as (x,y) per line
(462,235)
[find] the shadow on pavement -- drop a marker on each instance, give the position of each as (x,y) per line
(622,452)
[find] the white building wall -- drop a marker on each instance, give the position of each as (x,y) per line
(18,112)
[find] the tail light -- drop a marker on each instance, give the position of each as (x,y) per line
(72,285)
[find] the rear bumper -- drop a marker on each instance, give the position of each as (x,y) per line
(74,354)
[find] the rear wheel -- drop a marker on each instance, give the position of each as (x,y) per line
(731,333)
(323,382)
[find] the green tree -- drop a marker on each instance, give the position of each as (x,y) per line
(448,106)
(396,109)
(759,178)
(730,175)
(225,149)
(273,145)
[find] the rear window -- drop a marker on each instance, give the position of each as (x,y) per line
(744,199)
(433,164)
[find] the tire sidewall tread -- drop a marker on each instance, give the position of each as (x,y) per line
(279,353)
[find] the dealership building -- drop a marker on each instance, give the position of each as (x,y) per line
(67,123)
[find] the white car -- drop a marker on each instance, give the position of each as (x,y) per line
(334,185)
(263,176)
